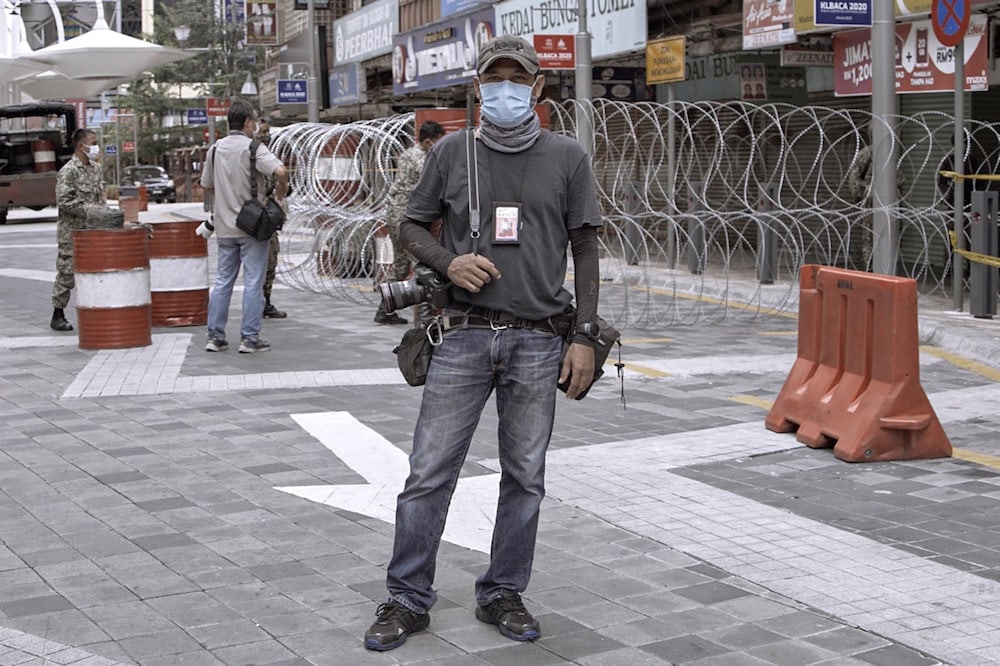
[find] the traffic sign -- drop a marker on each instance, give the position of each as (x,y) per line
(197,117)
(111,149)
(292,91)
(217,107)
(128,146)
(950,20)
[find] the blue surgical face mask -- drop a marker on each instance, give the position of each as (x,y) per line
(506,104)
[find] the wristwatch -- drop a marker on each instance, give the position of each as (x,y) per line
(589,329)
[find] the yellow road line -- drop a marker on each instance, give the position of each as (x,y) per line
(983,459)
(981,369)
(643,370)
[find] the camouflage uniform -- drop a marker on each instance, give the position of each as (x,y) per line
(410,166)
(78,187)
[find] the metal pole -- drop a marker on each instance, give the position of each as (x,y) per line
(885,228)
(135,140)
(584,80)
(118,139)
(312,88)
(958,165)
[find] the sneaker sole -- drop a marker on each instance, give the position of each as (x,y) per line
(530,635)
(244,350)
(213,349)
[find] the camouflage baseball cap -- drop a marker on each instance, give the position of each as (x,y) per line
(510,47)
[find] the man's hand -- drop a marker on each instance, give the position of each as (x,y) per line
(578,367)
(472,272)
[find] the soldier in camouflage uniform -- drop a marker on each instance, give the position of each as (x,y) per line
(270,311)
(409,167)
(78,189)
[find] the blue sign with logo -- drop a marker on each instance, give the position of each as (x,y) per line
(843,12)
(197,117)
(293,91)
(347,85)
(111,149)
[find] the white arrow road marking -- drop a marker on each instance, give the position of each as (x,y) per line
(385,467)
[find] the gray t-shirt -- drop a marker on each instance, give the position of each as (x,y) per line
(554,184)
(227,170)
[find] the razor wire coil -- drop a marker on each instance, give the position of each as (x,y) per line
(685,229)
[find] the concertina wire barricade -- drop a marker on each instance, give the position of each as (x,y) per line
(684,238)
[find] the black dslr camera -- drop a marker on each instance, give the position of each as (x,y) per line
(428,286)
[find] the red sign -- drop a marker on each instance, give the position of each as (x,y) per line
(556,51)
(923,64)
(80,106)
(128,146)
(217,107)
(950,20)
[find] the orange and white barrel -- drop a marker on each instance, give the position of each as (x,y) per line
(384,254)
(178,274)
(43,153)
(112,288)
(337,170)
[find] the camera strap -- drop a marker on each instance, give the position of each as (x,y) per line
(472,155)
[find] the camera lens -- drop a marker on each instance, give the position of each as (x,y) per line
(397,295)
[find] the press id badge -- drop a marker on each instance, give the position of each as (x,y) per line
(507,223)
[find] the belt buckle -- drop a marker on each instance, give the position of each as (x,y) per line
(497,326)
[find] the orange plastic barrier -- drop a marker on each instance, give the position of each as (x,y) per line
(855,384)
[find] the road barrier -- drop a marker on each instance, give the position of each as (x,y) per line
(178,268)
(855,384)
(112,288)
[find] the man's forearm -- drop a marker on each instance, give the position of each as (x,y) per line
(418,241)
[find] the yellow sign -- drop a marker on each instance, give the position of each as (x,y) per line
(665,60)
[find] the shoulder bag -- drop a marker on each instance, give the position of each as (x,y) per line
(256,219)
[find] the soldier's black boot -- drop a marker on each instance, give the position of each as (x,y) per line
(59,322)
(383,317)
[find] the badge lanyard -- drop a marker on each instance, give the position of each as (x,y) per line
(472,155)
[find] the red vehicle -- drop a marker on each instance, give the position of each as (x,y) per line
(34,143)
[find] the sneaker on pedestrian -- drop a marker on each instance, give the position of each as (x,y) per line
(216,345)
(510,616)
(271,312)
(395,622)
(254,345)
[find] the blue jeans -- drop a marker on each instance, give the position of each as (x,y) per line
(252,255)
(523,367)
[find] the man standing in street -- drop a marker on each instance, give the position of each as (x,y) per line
(227,175)
(78,188)
(503,333)
(409,167)
(270,311)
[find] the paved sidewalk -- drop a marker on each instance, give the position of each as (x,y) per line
(164,505)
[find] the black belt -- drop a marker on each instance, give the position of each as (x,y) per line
(478,317)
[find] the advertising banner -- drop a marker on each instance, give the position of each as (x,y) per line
(843,12)
(615,27)
(440,54)
(556,51)
(923,64)
(366,33)
(262,22)
(768,23)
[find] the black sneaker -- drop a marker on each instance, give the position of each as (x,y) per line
(271,312)
(395,622)
(511,617)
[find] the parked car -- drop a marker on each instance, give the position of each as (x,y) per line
(34,144)
(159,186)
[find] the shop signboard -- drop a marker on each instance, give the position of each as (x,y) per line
(923,63)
